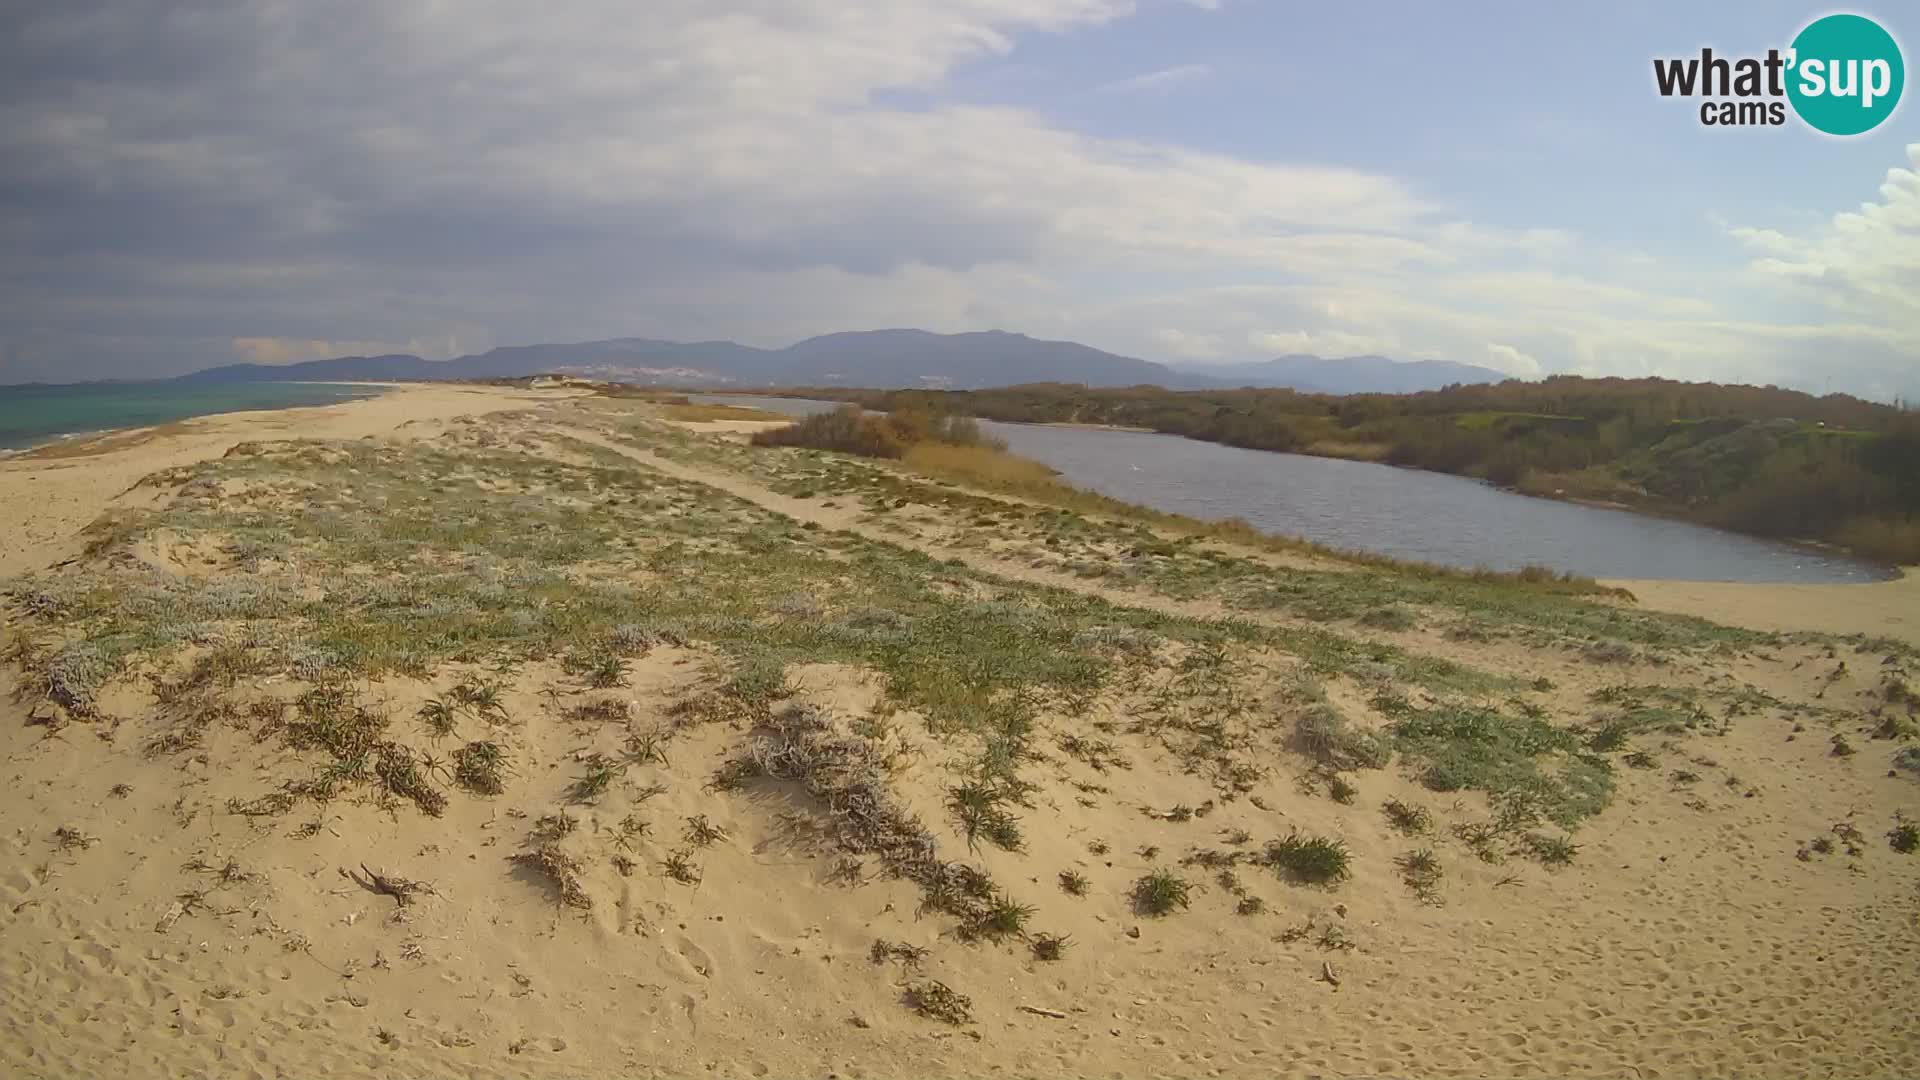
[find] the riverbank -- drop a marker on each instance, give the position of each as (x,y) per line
(1345,503)
(1728,457)
(1877,609)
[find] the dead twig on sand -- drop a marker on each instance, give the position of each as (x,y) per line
(401,889)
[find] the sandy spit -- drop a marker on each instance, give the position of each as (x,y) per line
(49,499)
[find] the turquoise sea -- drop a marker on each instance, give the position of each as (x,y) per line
(35,414)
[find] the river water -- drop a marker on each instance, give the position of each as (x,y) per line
(1405,513)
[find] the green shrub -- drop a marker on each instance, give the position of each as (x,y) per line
(1904,837)
(850,430)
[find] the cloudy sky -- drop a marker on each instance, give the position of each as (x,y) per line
(204,181)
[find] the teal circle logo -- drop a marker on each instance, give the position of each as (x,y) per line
(1845,74)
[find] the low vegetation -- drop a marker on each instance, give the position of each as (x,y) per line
(1309,860)
(936,1000)
(1422,873)
(1160,892)
(515,627)
(850,430)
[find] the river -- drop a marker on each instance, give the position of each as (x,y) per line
(1405,513)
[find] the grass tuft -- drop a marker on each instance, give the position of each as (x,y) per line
(702,833)
(1407,818)
(1159,892)
(1308,860)
(1324,735)
(1422,872)
(1000,917)
(602,773)
(440,715)
(680,866)
(1904,837)
(980,807)
(1550,851)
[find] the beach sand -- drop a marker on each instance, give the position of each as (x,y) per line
(51,493)
(1890,608)
(152,925)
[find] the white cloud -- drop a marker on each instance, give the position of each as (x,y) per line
(1511,360)
(1159,81)
(1188,345)
(280,350)
(1865,262)
(1324,343)
(286,178)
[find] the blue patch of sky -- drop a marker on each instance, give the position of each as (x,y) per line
(1517,114)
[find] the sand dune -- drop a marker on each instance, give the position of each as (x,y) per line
(168,912)
(51,495)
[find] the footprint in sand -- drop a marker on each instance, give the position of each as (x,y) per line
(697,959)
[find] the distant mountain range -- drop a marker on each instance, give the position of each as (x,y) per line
(1347,374)
(880,359)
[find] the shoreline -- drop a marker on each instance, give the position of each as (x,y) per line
(1890,571)
(1874,608)
(41,443)
(51,497)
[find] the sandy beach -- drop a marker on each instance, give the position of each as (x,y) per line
(265,846)
(1891,608)
(51,493)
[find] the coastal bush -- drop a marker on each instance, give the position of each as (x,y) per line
(851,430)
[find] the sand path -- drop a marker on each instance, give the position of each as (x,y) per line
(848,520)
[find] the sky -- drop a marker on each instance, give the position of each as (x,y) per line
(211,181)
